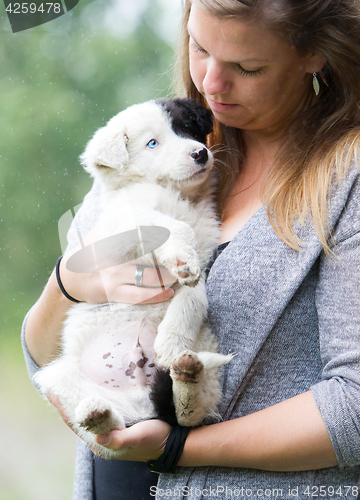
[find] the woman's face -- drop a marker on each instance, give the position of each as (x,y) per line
(250,78)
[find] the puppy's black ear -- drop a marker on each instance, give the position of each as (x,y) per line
(200,117)
(107,148)
(188,118)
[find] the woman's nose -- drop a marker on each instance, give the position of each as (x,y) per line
(216,80)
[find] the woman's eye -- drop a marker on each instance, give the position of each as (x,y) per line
(152,144)
(197,49)
(247,72)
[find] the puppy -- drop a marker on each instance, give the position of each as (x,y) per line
(157,211)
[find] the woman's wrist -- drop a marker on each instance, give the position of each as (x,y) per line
(60,283)
(174,446)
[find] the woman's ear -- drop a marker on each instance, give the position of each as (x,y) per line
(315,63)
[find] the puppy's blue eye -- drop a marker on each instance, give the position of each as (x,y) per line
(152,144)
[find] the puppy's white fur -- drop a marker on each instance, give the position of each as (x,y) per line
(165,187)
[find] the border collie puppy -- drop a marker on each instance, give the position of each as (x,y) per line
(122,363)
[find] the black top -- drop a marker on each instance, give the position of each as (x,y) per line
(216,254)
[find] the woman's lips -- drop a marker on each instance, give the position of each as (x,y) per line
(221,107)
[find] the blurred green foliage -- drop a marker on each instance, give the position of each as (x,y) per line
(58,83)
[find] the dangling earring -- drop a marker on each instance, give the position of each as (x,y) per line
(316,84)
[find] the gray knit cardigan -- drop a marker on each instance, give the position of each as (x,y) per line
(294,318)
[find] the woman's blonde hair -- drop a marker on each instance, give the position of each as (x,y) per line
(324,139)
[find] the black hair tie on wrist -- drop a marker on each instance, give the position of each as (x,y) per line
(173,449)
(61,286)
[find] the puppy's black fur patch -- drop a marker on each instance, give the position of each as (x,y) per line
(188,118)
(162,397)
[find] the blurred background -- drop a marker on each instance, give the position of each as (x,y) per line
(59,82)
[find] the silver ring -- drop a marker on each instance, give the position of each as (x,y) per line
(139,274)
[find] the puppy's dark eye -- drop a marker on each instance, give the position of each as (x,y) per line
(152,144)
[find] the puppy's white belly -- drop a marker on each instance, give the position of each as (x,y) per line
(120,358)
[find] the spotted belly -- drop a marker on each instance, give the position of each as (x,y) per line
(120,360)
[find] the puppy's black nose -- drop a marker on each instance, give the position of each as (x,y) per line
(200,156)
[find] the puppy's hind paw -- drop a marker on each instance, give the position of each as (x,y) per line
(96,417)
(187,367)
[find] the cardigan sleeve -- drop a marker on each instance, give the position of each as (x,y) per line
(83,221)
(31,365)
(337,395)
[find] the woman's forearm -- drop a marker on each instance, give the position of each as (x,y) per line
(288,436)
(43,326)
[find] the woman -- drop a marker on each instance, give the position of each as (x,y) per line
(282,79)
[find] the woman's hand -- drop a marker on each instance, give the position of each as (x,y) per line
(117,284)
(143,441)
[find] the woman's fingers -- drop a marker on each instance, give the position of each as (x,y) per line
(119,284)
(151,277)
(130,294)
(143,441)
(155,277)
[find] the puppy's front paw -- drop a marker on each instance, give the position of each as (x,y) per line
(187,367)
(188,273)
(185,268)
(97,417)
